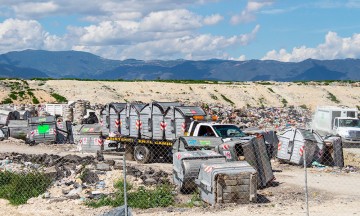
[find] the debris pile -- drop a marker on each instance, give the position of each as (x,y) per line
(276,118)
(76,177)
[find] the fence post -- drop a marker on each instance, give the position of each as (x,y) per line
(306,185)
(125,192)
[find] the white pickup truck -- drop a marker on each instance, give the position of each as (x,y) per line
(338,121)
(225,131)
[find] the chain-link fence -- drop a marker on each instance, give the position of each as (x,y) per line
(295,172)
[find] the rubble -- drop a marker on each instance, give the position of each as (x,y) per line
(76,177)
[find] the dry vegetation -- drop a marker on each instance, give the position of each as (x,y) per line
(239,94)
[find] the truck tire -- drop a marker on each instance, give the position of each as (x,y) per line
(129,153)
(142,154)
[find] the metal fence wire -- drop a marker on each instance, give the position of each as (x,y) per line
(295,172)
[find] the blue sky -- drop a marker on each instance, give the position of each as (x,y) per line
(286,30)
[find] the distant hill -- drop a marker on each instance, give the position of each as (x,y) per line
(10,71)
(75,64)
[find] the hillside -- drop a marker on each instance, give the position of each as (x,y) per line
(241,94)
(83,65)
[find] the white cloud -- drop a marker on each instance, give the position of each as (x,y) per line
(213,19)
(249,13)
(194,47)
(172,20)
(18,34)
(334,47)
(94,10)
(130,29)
(240,58)
(33,9)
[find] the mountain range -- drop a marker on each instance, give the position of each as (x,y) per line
(82,65)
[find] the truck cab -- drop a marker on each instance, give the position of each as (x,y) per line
(339,121)
(226,131)
(347,128)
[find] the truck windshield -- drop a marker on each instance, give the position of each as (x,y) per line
(226,131)
(349,122)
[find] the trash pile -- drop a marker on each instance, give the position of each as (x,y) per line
(272,118)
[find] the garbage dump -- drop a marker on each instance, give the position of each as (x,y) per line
(272,118)
(232,182)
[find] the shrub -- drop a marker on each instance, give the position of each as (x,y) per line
(35,100)
(264,83)
(13,95)
(21,94)
(160,196)
(270,89)
(284,102)
(59,98)
(227,99)
(6,101)
(30,93)
(18,188)
(332,98)
(303,106)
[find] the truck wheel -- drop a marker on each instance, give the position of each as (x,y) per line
(129,153)
(142,154)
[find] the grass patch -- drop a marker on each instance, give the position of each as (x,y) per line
(195,199)
(59,98)
(21,94)
(271,90)
(18,188)
(6,101)
(30,93)
(13,95)
(35,100)
(227,99)
(284,102)
(332,98)
(160,196)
